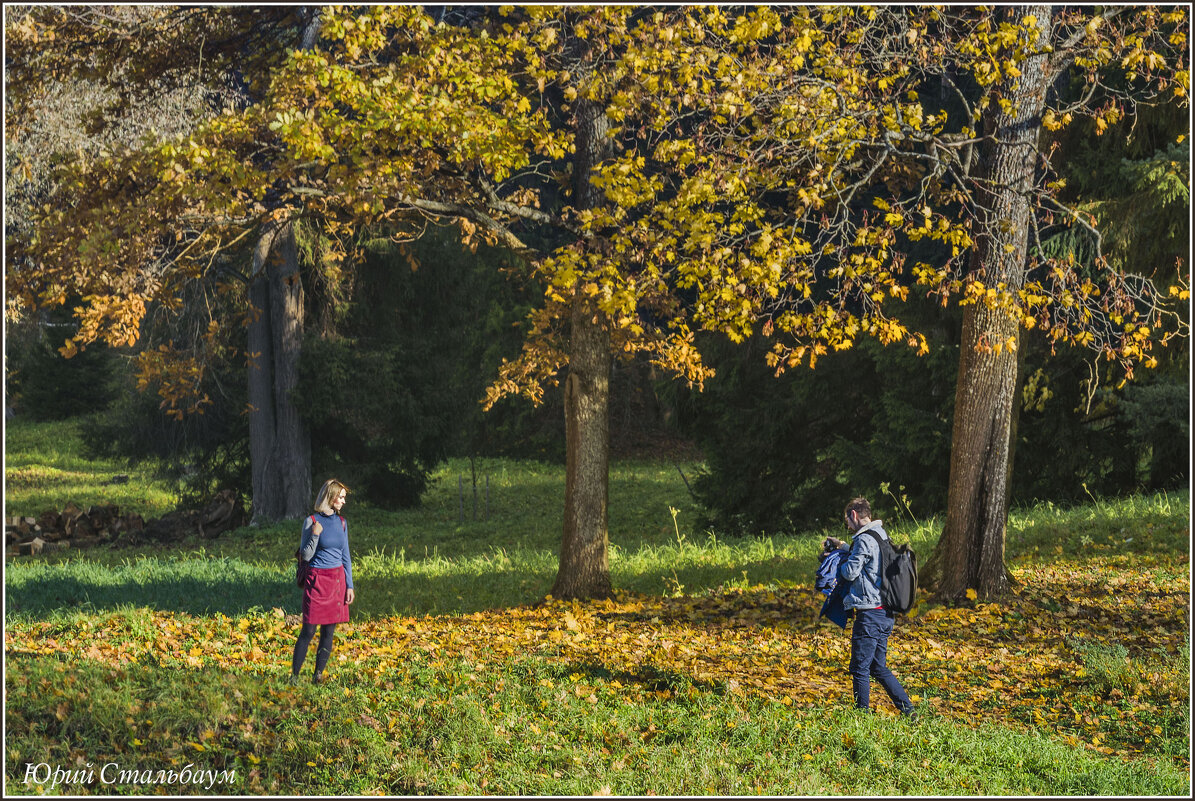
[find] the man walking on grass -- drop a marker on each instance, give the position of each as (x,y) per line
(873,623)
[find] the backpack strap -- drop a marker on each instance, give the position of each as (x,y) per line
(878,539)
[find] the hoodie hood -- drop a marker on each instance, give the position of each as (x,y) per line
(876,525)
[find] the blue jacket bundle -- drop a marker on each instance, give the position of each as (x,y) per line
(826,582)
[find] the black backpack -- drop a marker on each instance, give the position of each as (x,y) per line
(898,575)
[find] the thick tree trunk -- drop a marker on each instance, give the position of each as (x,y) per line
(584,559)
(970,554)
(279,444)
(261,383)
(292,442)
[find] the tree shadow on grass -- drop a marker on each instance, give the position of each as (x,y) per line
(696,577)
(651,678)
(246,592)
(194,596)
(723,603)
(232,588)
(458,593)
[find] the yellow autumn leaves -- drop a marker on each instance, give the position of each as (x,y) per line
(739,152)
(1013,662)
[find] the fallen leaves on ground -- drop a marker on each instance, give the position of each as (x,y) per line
(1012,663)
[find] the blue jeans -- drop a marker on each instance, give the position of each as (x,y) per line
(869,657)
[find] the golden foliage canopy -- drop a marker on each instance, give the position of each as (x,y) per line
(780,169)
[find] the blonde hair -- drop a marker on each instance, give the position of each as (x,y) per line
(327,493)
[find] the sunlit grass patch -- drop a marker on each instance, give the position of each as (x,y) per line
(1156,523)
(24,478)
(46,467)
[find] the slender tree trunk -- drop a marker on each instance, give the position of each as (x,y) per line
(970,553)
(584,558)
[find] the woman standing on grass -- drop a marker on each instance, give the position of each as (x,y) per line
(328,585)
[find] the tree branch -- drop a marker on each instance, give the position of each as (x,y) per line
(504,234)
(513,209)
(1062,53)
(1074,215)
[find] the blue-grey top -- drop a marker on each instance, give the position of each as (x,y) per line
(330,548)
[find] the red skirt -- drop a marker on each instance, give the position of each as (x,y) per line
(323,596)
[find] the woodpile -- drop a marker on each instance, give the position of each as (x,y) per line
(103,524)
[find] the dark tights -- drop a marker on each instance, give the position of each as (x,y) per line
(322,653)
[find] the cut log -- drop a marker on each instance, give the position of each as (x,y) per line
(101,515)
(84,527)
(225,512)
(34,546)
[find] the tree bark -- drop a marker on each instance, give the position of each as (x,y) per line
(584,559)
(279,443)
(970,553)
(292,442)
(584,555)
(261,382)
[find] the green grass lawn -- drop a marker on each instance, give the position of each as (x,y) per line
(705,676)
(44,467)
